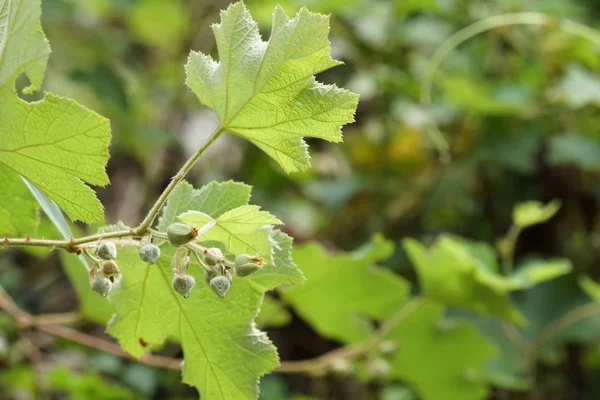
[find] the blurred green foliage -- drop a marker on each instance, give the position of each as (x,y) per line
(519,108)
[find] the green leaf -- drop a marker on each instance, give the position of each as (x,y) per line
(580,87)
(508,368)
(244,229)
(441,358)
(282,269)
(266,91)
(451,273)
(590,287)
(475,96)
(23,46)
(272,314)
(213,199)
(534,272)
(343,293)
(91,306)
(57,145)
(534,212)
(224,353)
(18,211)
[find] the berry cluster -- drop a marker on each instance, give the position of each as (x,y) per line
(215,265)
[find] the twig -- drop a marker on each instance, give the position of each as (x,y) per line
(72,245)
(321,363)
(576,315)
(49,324)
(108,347)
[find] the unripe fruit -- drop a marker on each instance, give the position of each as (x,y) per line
(101,285)
(220,285)
(110,270)
(107,251)
(180,234)
(246,269)
(183,284)
(149,253)
(213,255)
(246,264)
(242,259)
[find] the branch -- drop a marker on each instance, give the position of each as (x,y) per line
(73,245)
(109,347)
(49,323)
(351,352)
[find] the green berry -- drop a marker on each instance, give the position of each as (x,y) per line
(183,284)
(220,285)
(107,251)
(101,285)
(149,253)
(213,255)
(246,269)
(180,234)
(246,264)
(242,259)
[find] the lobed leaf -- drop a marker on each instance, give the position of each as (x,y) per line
(23,46)
(244,229)
(57,145)
(266,91)
(224,351)
(443,359)
(344,293)
(213,199)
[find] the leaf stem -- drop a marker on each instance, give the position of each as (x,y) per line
(507,253)
(73,245)
(147,221)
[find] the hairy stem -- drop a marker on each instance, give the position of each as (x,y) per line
(147,222)
(73,245)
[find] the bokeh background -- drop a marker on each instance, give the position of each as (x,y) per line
(519,106)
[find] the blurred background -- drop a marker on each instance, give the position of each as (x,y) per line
(519,106)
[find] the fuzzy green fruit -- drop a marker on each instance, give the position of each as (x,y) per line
(180,234)
(213,255)
(149,253)
(220,285)
(246,269)
(183,284)
(101,285)
(107,251)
